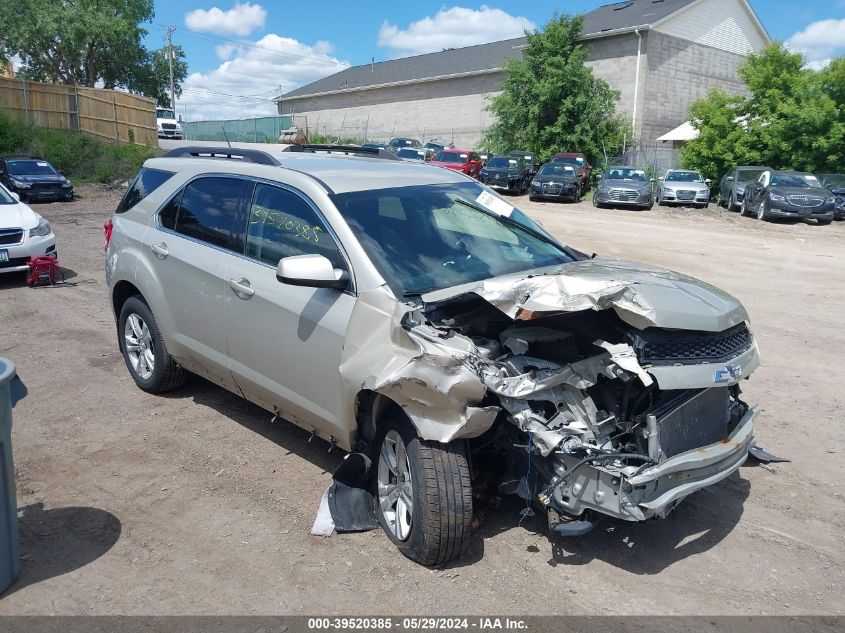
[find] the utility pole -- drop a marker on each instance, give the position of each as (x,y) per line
(170,30)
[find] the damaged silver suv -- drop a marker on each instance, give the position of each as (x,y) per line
(412,316)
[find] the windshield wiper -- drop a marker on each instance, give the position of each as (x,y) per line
(540,236)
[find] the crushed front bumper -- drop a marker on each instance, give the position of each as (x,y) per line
(655,490)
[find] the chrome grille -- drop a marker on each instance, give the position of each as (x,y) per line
(552,188)
(168,126)
(623,195)
(803,200)
(663,347)
(11,236)
(685,194)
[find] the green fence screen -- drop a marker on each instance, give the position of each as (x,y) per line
(259,130)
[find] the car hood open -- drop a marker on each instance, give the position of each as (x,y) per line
(643,296)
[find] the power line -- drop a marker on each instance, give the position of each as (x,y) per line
(214,38)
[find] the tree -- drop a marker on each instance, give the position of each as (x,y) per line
(551,102)
(792,118)
(86,42)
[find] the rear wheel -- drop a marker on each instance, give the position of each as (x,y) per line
(424,494)
(152,368)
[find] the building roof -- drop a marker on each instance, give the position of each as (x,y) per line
(484,58)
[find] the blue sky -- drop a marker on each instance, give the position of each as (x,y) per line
(241,53)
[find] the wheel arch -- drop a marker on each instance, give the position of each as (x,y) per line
(121,292)
(371,408)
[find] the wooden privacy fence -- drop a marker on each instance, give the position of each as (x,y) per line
(108,114)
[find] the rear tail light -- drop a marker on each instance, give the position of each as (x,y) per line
(107,229)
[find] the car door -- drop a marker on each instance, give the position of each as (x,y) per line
(758,191)
(285,341)
(191,246)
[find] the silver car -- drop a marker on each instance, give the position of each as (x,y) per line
(683,187)
(413,317)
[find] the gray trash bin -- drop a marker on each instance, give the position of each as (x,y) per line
(11,390)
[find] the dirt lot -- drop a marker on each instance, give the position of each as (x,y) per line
(195,503)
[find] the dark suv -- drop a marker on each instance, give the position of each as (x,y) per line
(733,184)
(33,178)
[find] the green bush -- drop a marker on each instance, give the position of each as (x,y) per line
(81,157)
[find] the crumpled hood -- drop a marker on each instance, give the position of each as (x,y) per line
(18,216)
(643,296)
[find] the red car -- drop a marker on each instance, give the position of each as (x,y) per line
(579,162)
(463,160)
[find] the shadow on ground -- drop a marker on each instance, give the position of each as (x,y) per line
(61,540)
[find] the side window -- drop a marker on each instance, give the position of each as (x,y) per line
(208,210)
(282,224)
(167,216)
(147,181)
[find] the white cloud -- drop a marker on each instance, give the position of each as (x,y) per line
(240,20)
(224,51)
(453,28)
(820,41)
(244,84)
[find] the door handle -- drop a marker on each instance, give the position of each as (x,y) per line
(241,288)
(160,250)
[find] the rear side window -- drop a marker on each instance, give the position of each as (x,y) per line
(147,181)
(206,210)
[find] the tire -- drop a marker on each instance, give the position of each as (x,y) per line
(660,200)
(437,529)
(648,207)
(732,204)
(531,198)
(743,210)
(762,213)
(144,335)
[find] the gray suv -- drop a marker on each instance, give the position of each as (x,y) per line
(410,315)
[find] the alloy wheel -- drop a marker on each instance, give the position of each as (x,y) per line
(395,489)
(139,346)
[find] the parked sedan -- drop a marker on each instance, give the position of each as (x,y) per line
(33,178)
(556,182)
(506,173)
(397,143)
(623,187)
(835,183)
(416,154)
(680,186)
(438,146)
(789,194)
(463,160)
(23,234)
(733,184)
(579,163)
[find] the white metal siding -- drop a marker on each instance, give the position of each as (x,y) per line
(723,24)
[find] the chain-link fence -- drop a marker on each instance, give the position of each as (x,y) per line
(257,130)
(654,158)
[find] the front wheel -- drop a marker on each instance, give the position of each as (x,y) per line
(152,368)
(424,494)
(762,211)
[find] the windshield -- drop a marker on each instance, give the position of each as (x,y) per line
(165,114)
(550,169)
(434,146)
(6,197)
(834,180)
(571,160)
(503,162)
(684,176)
(30,168)
(625,173)
(804,181)
(407,152)
(403,142)
(427,237)
(748,175)
(452,157)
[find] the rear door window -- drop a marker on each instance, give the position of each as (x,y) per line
(207,210)
(147,181)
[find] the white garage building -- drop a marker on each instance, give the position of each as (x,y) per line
(660,55)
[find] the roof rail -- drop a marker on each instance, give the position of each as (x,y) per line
(349,150)
(256,156)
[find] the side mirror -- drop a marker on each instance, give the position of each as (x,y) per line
(729,178)
(314,271)
(16,196)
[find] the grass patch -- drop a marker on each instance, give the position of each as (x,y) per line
(82,158)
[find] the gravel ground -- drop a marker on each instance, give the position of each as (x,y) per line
(195,503)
